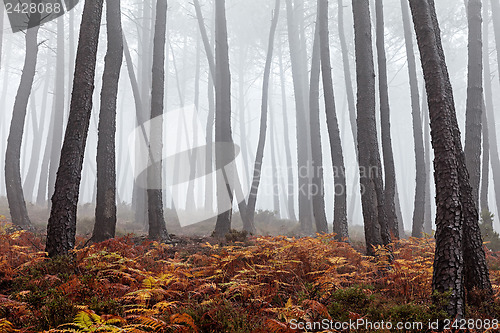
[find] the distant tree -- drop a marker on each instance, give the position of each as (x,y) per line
(372,188)
(340,205)
(222,121)
(105,213)
(157,226)
(385,120)
(420,166)
(299,75)
(252,197)
(318,189)
(61,228)
(15,196)
(473,121)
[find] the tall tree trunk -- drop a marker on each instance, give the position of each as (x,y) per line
(58,108)
(61,228)
(385,119)
(317,189)
(485,171)
(340,207)
(274,156)
(474,97)
(105,212)
(303,139)
(372,191)
(420,166)
(428,166)
(15,196)
(252,197)
(242,113)
(476,270)
(495,159)
(223,123)
(459,254)
(157,226)
(290,188)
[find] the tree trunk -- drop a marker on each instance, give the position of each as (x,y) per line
(252,197)
(372,192)
(485,171)
(105,213)
(317,189)
(340,187)
(420,166)
(157,226)
(59,106)
(303,139)
(290,188)
(61,228)
(495,159)
(428,166)
(274,156)
(15,196)
(385,119)
(474,97)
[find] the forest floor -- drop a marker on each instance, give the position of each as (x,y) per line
(246,284)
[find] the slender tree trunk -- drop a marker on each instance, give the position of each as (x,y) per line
(252,197)
(340,207)
(15,196)
(372,198)
(305,213)
(420,166)
(157,226)
(223,133)
(485,171)
(474,97)
(385,119)
(242,113)
(59,107)
(105,212)
(495,159)
(61,228)
(317,191)
(290,188)
(274,155)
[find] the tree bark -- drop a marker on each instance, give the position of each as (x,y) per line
(372,192)
(157,226)
(61,228)
(340,187)
(105,213)
(15,195)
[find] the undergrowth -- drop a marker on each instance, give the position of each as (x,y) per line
(258,285)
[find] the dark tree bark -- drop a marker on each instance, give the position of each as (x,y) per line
(290,188)
(105,213)
(340,206)
(385,119)
(459,258)
(252,197)
(473,121)
(157,226)
(303,138)
(420,166)
(223,121)
(59,106)
(317,190)
(61,228)
(372,192)
(15,195)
